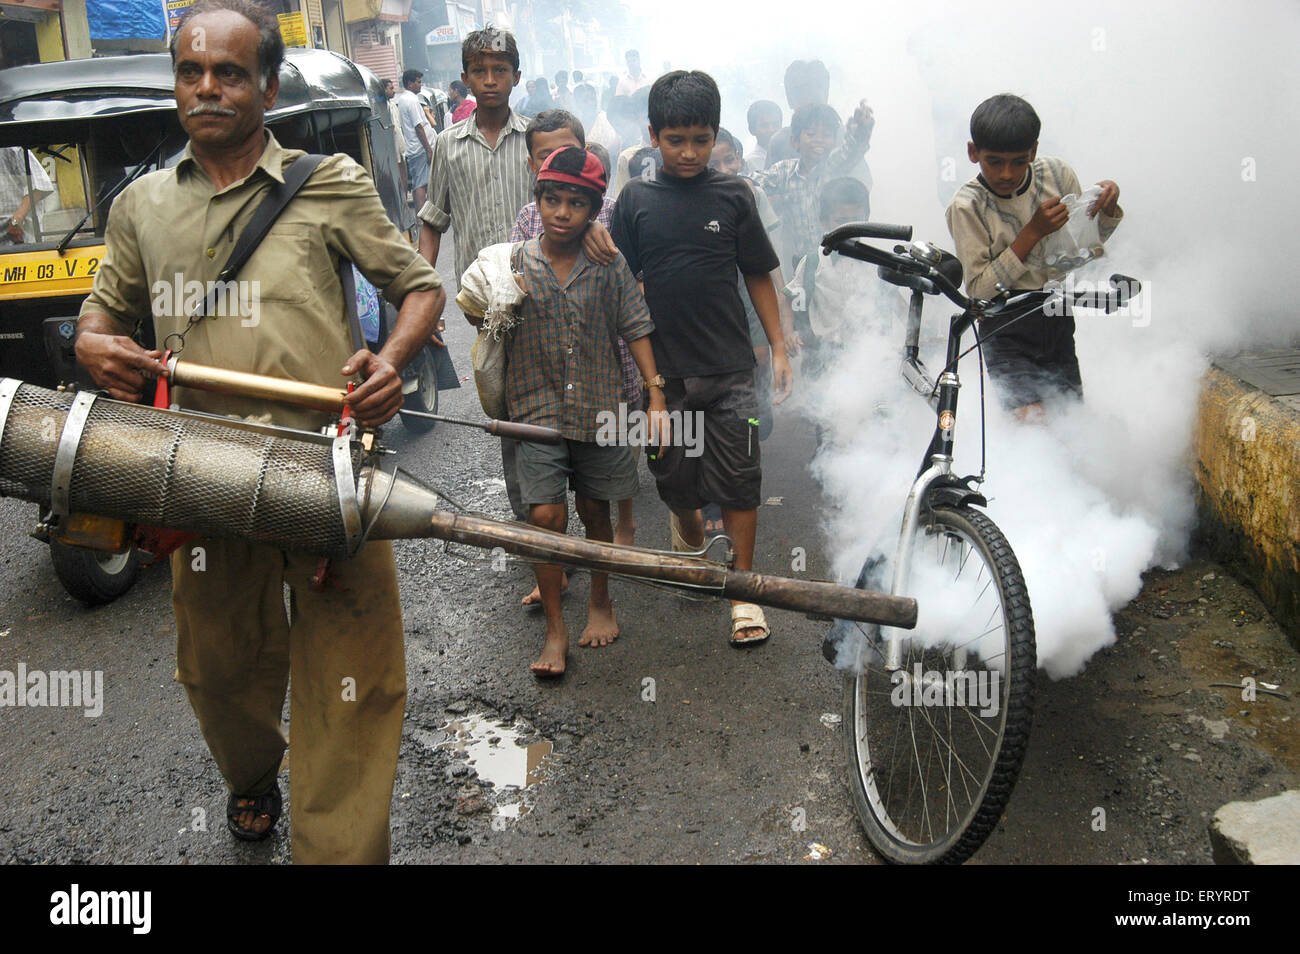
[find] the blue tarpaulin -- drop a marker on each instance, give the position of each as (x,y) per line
(126,19)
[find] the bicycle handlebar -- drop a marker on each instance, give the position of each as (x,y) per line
(920,274)
(877,230)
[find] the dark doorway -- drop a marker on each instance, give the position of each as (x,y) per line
(18,44)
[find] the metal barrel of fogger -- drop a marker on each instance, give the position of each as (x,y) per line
(291,489)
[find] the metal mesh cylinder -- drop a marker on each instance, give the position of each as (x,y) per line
(178,471)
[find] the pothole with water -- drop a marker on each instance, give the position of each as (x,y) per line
(502,754)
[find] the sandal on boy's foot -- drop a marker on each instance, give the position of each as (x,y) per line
(268,803)
(748,616)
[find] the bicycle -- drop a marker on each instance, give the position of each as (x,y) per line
(937,720)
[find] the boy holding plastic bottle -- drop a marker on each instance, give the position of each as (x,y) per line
(1002,222)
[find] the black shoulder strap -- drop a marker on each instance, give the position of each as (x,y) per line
(264,216)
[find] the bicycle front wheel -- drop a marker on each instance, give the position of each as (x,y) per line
(935,747)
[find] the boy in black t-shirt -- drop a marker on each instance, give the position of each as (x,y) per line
(687,230)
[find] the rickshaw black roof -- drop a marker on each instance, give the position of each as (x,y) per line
(75,91)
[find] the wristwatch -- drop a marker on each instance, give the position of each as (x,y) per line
(15,221)
(656,382)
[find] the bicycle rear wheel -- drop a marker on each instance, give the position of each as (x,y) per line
(935,748)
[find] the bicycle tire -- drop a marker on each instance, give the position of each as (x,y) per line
(899,820)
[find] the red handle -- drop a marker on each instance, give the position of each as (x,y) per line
(162,395)
(346,417)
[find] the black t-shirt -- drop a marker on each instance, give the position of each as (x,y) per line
(688,237)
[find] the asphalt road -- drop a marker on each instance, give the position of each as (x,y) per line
(724,756)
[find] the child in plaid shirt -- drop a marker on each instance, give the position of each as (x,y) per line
(563,372)
(548,131)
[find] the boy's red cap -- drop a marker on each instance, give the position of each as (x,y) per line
(573,166)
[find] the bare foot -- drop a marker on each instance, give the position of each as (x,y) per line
(551,662)
(535,597)
(602,627)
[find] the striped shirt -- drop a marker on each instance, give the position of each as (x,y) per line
(563,363)
(529,225)
(477,190)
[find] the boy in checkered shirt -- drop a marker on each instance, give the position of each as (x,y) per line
(564,372)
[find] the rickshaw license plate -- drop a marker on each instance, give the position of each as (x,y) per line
(46,273)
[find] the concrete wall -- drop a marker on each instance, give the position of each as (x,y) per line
(1247,457)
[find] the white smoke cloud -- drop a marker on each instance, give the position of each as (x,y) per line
(1192,109)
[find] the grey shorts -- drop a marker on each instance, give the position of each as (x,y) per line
(727,470)
(547,471)
(417,170)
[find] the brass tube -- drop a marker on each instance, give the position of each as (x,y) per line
(202,377)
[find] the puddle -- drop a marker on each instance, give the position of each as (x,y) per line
(495,751)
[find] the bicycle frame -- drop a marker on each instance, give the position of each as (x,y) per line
(938,459)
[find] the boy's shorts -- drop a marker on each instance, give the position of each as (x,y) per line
(1033,360)
(417,171)
(727,470)
(546,471)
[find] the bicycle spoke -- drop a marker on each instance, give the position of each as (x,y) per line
(990,630)
(960,762)
(978,723)
(925,773)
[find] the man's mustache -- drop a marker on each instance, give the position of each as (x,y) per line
(210,109)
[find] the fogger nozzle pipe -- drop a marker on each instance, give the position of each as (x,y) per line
(808,596)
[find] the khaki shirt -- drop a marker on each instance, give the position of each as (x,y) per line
(170,233)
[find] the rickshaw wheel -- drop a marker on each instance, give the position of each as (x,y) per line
(425,396)
(92,576)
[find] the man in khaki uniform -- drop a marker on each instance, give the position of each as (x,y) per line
(236,650)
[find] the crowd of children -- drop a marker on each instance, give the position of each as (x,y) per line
(667,291)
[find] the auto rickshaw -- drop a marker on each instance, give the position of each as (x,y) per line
(73,135)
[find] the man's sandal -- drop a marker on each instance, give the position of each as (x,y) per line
(268,803)
(748,616)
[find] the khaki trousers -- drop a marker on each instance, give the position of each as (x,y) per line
(236,651)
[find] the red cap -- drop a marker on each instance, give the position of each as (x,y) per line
(573,166)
